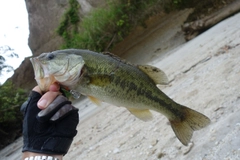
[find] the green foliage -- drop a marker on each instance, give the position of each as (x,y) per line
(10,100)
(68,26)
(104,27)
(10,115)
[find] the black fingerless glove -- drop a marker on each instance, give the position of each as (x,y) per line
(51,130)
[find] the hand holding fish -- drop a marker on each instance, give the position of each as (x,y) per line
(48,128)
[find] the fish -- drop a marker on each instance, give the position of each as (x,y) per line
(108,78)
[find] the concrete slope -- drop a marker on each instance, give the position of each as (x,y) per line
(204,75)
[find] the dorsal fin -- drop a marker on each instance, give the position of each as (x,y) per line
(117,58)
(156,74)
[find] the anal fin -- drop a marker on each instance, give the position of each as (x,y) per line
(143,114)
(95,100)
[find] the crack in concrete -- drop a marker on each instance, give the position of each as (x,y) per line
(190,68)
(199,62)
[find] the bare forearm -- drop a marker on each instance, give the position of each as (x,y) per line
(32,154)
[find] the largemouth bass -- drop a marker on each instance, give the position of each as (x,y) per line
(107,78)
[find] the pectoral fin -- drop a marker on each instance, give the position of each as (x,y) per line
(143,114)
(157,75)
(95,100)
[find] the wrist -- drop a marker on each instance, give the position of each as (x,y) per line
(46,156)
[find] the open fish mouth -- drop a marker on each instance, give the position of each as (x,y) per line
(66,72)
(38,69)
(44,80)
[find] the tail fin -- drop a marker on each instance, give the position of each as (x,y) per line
(190,121)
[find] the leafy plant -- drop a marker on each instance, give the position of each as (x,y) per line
(69,25)
(106,26)
(10,100)
(10,116)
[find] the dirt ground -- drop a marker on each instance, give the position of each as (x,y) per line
(204,75)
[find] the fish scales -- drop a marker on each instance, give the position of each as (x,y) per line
(132,87)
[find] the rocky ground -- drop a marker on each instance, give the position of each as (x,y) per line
(204,75)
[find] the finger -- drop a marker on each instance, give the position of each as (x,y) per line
(63,112)
(53,108)
(54,87)
(46,99)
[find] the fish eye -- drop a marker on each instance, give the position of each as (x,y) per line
(50,56)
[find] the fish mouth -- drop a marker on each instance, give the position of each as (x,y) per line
(63,72)
(43,79)
(37,67)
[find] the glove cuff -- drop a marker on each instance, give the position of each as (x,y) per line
(53,145)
